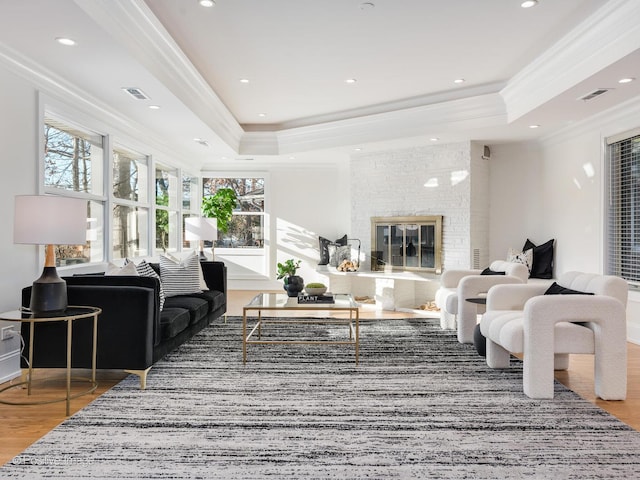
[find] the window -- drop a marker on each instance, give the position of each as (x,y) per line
(73,166)
(130,214)
(130,174)
(166,209)
(73,159)
(246,229)
(190,203)
(623,218)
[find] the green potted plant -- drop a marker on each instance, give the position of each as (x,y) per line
(220,206)
(293,283)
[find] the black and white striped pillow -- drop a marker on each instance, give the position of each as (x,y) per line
(180,278)
(146,270)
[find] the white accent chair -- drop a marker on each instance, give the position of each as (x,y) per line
(547,328)
(456,286)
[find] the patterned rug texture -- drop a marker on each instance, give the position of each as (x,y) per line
(419,405)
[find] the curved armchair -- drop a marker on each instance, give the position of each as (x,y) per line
(456,286)
(547,328)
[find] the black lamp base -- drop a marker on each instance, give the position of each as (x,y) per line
(48,293)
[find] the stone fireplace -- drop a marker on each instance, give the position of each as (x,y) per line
(406,243)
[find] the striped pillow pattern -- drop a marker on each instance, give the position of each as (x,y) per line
(145,270)
(180,278)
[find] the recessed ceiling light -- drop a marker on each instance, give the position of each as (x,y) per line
(366,6)
(262,115)
(529,3)
(534,126)
(244,80)
(154,107)
(459,80)
(350,81)
(434,139)
(626,80)
(357,149)
(207,3)
(66,41)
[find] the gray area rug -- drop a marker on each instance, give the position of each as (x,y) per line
(419,405)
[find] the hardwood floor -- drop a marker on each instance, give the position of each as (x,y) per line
(22,425)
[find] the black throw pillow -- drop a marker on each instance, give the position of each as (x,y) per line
(488,271)
(324,248)
(556,289)
(542,259)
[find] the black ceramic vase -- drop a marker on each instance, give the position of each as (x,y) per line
(293,284)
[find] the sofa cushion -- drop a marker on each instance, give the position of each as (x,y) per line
(197,307)
(173,321)
(214,298)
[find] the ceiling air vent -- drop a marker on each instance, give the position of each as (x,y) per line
(594,94)
(136,93)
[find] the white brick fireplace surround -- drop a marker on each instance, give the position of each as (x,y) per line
(451,180)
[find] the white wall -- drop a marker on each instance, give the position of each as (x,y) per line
(303,202)
(392,183)
(18,131)
(555,190)
(516,198)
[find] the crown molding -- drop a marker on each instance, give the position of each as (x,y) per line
(59,92)
(610,122)
(608,35)
(467,113)
(134,25)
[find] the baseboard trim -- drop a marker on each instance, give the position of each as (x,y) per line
(10,366)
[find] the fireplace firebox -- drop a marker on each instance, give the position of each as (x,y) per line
(412,243)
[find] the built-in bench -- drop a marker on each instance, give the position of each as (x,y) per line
(391,291)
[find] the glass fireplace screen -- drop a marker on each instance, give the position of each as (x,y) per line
(406,243)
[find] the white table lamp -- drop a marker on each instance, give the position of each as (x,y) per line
(201,229)
(49,220)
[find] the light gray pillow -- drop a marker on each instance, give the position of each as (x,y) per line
(339,253)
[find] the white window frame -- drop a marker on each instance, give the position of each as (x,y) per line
(622,258)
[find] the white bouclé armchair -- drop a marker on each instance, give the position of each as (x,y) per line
(456,286)
(547,328)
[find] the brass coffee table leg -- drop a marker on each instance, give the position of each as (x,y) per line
(244,336)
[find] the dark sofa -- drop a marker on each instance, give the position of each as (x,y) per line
(133,333)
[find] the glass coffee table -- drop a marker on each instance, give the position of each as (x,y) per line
(281,302)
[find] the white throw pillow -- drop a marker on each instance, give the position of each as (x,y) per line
(127,269)
(180,278)
(526,257)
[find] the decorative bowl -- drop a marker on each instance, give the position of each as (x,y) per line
(315,290)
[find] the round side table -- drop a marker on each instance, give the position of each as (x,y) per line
(69,315)
(479,341)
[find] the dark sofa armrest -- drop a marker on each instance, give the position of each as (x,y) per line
(126,329)
(215,276)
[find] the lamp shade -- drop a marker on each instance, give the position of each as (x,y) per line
(49,219)
(200,228)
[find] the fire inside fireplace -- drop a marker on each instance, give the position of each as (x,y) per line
(406,243)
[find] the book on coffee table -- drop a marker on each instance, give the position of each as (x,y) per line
(326,298)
